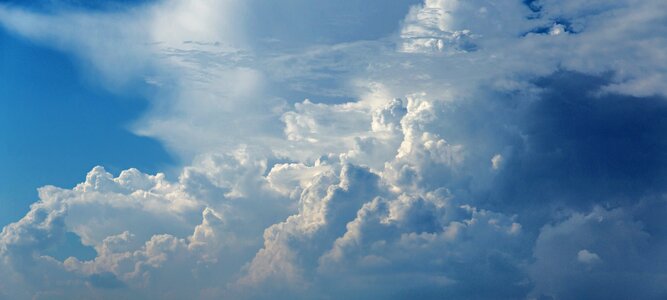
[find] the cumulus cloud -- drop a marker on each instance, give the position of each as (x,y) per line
(587,257)
(473,150)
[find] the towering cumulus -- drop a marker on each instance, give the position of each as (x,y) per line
(443,149)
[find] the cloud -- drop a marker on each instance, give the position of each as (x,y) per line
(472,150)
(604,248)
(587,257)
(143,228)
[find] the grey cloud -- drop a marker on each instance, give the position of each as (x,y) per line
(481,151)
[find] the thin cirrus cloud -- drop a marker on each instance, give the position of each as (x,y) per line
(468,149)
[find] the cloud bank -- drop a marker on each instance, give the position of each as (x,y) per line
(471,150)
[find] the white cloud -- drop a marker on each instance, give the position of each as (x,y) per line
(496,161)
(586,257)
(143,228)
(378,185)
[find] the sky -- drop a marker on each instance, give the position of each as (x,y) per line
(57,125)
(412,149)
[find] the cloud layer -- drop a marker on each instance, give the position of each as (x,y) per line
(469,150)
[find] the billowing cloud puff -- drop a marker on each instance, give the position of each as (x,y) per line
(476,150)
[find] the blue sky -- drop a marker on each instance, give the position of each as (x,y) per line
(252,149)
(57,124)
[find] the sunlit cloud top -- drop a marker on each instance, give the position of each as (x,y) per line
(361,150)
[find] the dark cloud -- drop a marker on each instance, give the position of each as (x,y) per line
(105,280)
(499,175)
(582,148)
